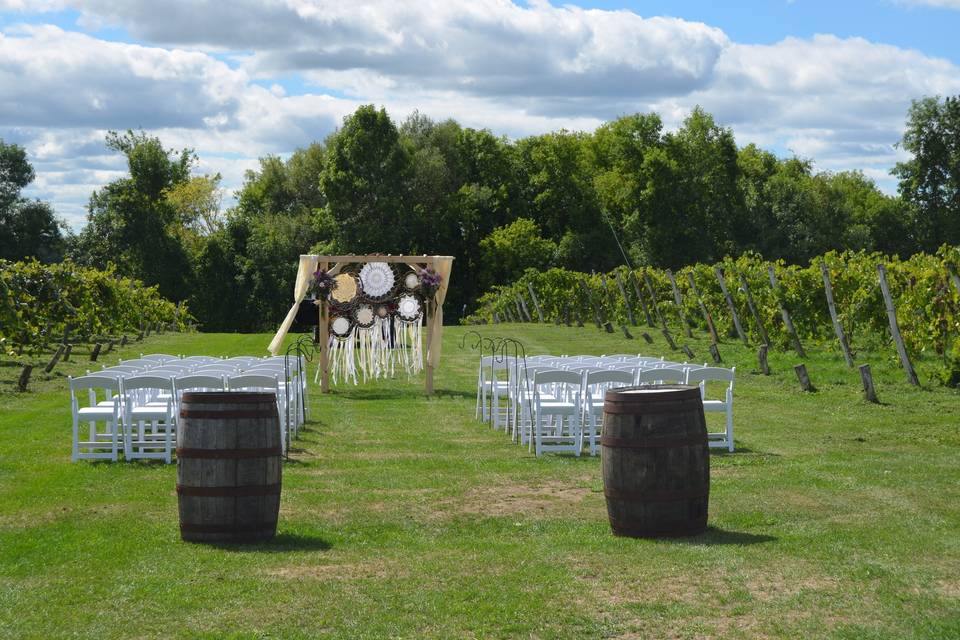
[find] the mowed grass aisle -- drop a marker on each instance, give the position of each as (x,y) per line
(403,517)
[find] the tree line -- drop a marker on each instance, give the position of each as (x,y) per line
(630,190)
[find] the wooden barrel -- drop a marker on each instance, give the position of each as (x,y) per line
(228,466)
(656,464)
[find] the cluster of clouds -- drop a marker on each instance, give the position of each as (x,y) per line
(246,78)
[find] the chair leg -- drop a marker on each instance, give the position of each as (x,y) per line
(75,453)
(730,429)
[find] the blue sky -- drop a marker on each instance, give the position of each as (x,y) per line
(828,81)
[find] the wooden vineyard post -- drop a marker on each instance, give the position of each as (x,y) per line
(55,359)
(536,302)
(24,378)
(606,290)
(703,309)
(516,301)
(626,332)
(626,300)
(715,353)
(643,303)
(669,339)
(688,351)
(955,278)
(526,309)
(837,328)
(895,327)
(95,353)
(733,309)
(805,384)
(867,378)
(646,337)
(323,309)
(66,353)
(656,303)
(785,314)
(596,314)
(753,311)
(679,302)
(762,358)
(123,340)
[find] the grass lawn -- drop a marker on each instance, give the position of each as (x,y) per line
(403,517)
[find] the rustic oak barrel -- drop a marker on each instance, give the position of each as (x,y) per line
(656,464)
(228,466)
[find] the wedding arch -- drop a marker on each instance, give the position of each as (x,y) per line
(371,309)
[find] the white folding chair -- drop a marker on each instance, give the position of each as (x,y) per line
(595,387)
(265,383)
(101,444)
(702,377)
(563,402)
(202,359)
(149,422)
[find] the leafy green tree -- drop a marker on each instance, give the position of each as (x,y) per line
(512,249)
(131,222)
(366,183)
(28,228)
(930,180)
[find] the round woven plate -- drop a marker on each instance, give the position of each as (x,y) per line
(364,316)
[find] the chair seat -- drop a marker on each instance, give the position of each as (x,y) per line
(714,405)
(148,412)
(101,412)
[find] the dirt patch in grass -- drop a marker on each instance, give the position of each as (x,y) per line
(379,570)
(550,498)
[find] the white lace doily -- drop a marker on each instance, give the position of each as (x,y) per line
(409,308)
(376,279)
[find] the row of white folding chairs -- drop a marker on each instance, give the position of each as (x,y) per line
(140,408)
(519,419)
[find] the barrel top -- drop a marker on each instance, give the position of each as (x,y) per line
(654,392)
(228,397)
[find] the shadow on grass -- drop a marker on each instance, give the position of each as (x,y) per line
(723,453)
(715,536)
(397,394)
(283,543)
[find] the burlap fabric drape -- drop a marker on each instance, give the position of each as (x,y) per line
(308,264)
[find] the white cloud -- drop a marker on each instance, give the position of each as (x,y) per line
(517,70)
(940,4)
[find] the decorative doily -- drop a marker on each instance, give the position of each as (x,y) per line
(364,316)
(409,308)
(411,281)
(341,326)
(346,290)
(377,279)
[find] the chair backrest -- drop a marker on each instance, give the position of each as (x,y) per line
(142,363)
(222,368)
(609,376)
(161,383)
(253,381)
(205,382)
(118,370)
(202,359)
(94,381)
(158,357)
(556,376)
(706,374)
(667,376)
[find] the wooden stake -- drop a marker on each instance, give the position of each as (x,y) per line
(608,327)
(626,332)
(895,328)
(679,302)
(566,315)
(626,300)
(24,378)
(837,328)
(804,379)
(762,357)
(656,303)
(715,353)
(646,337)
(784,313)
(123,340)
(110,345)
(596,314)
(643,303)
(55,359)
(66,353)
(753,311)
(733,309)
(536,303)
(703,308)
(516,301)
(867,378)
(669,339)
(95,353)
(687,350)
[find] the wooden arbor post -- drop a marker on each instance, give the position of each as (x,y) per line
(332,265)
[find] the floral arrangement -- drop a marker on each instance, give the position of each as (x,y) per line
(322,284)
(429,282)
